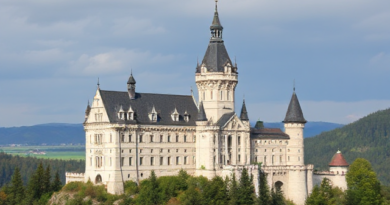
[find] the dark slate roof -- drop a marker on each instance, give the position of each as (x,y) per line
(143,103)
(225,118)
(216,57)
(201,113)
(131,80)
(294,112)
(244,113)
(268,133)
(216,24)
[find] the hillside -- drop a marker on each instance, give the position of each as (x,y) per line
(57,133)
(367,138)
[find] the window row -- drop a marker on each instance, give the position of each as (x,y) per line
(280,142)
(130,161)
(157,150)
(223,95)
(153,138)
(273,150)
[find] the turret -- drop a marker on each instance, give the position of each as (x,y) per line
(244,113)
(87,111)
(131,87)
(338,165)
(294,123)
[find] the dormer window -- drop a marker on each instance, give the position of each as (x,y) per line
(153,115)
(130,114)
(186,117)
(121,113)
(228,68)
(175,116)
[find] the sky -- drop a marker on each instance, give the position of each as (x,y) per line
(53,52)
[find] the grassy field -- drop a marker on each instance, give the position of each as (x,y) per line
(52,152)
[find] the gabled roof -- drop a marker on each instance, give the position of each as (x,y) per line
(338,160)
(143,105)
(294,111)
(225,118)
(268,133)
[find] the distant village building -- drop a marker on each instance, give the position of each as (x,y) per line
(130,133)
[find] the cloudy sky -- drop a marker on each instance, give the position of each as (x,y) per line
(52,52)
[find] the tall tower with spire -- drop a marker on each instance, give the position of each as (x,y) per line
(216,77)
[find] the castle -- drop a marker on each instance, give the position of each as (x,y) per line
(130,133)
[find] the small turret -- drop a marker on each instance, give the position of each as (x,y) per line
(131,86)
(87,111)
(201,113)
(244,113)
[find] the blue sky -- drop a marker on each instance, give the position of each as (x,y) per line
(52,52)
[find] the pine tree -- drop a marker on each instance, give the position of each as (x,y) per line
(264,195)
(46,180)
(246,189)
(35,186)
(149,193)
(57,184)
(277,196)
(233,190)
(16,189)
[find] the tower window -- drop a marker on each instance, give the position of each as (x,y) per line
(140,138)
(185,138)
(141,159)
(169,161)
(169,138)
(161,160)
(151,138)
(221,93)
(239,140)
(177,138)
(177,160)
(161,138)
(152,161)
(130,140)
(130,161)
(185,160)
(228,95)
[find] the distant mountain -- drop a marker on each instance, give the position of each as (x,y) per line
(53,133)
(368,138)
(57,133)
(311,128)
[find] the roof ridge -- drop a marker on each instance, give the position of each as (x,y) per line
(148,93)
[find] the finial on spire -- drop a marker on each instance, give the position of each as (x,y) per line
(216,5)
(294,86)
(98,83)
(131,71)
(192,92)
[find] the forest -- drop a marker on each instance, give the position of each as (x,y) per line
(367,138)
(28,165)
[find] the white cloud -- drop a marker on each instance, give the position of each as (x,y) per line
(132,26)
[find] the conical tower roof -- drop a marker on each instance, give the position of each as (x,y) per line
(338,160)
(131,80)
(88,109)
(244,113)
(201,113)
(294,111)
(216,24)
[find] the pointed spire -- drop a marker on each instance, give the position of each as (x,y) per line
(98,84)
(88,109)
(201,113)
(244,113)
(294,111)
(216,27)
(131,79)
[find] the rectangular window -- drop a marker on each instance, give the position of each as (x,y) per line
(151,138)
(110,138)
(141,160)
(185,138)
(177,138)
(90,161)
(169,138)
(185,160)
(122,161)
(161,138)
(140,138)
(130,161)
(211,94)
(110,161)
(280,159)
(130,140)
(177,160)
(239,140)
(239,158)
(161,160)
(152,161)
(169,160)
(228,95)
(194,138)
(255,159)
(123,138)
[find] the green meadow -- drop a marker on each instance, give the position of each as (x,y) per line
(52,152)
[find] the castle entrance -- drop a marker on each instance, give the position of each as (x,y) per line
(98,179)
(279,185)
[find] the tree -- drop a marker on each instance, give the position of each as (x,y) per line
(35,186)
(149,190)
(56,184)
(264,192)
(363,185)
(16,190)
(246,189)
(325,194)
(46,186)
(233,190)
(216,192)
(277,196)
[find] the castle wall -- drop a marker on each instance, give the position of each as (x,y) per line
(337,180)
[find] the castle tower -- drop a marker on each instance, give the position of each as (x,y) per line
(338,165)
(216,76)
(294,123)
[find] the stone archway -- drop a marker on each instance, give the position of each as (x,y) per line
(98,179)
(279,185)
